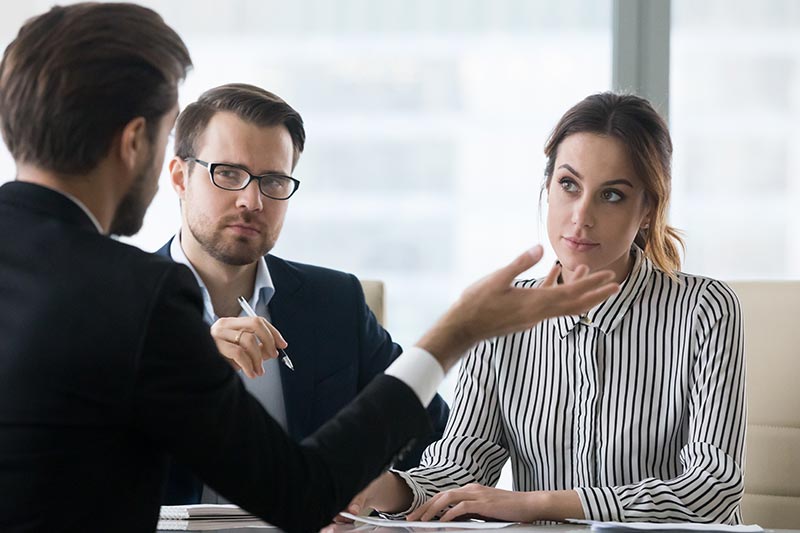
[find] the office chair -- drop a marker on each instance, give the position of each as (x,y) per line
(772,457)
(373,292)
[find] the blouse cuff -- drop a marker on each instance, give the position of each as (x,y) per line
(600,503)
(418,496)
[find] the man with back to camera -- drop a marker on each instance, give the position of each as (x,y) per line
(106,364)
(230,137)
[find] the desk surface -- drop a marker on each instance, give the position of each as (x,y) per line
(521,528)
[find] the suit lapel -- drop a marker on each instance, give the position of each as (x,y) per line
(286,315)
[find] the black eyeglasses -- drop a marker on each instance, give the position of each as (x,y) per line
(236,178)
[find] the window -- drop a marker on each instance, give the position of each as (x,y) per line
(735,81)
(426,121)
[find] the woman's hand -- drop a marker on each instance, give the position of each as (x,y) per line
(479,501)
(246,342)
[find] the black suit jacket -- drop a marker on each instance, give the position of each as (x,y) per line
(106,366)
(337,347)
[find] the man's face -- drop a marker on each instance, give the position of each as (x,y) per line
(233,227)
(130,213)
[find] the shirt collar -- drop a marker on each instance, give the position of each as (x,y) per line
(84,209)
(607,315)
(263,288)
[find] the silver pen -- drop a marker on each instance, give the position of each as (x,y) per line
(250,312)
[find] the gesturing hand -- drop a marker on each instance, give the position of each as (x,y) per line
(493,307)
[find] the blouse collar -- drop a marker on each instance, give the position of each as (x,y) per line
(608,314)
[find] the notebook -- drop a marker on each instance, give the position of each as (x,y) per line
(203,516)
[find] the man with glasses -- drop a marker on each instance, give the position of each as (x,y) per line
(236,148)
(105,362)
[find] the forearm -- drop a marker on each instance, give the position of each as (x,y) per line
(555,505)
(390,494)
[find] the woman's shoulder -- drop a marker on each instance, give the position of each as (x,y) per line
(704,290)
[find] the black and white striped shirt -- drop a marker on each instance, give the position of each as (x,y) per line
(639,406)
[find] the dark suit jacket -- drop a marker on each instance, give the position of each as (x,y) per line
(106,366)
(337,347)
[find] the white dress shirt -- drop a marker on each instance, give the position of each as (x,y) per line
(268,388)
(639,406)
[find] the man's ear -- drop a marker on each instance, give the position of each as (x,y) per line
(179,175)
(134,146)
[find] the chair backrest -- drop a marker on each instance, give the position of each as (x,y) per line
(373,292)
(772,457)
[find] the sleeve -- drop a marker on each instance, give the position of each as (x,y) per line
(188,401)
(711,485)
(376,352)
(473,449)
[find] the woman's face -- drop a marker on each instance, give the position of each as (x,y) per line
(596,205)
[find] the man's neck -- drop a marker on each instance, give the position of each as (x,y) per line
(89,189)
(224,283)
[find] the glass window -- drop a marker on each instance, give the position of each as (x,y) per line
(426,121)
(735,81)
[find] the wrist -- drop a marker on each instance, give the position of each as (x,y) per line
(391,494)
(447,340)
(554,505)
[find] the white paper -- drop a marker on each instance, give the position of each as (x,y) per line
(383,522)
(187,512)
(668,526)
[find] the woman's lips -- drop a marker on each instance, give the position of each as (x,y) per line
(580,245)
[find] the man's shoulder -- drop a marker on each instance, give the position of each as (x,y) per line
(306,272)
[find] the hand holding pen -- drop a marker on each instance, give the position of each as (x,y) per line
(251,313)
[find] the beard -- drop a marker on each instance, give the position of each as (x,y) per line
(234,251)
(129,217)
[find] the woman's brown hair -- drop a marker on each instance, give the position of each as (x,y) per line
(634,122)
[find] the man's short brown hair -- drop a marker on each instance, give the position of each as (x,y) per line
(250,103)
(74,76)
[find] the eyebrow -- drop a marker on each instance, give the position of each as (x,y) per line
(243,167)
(611,182)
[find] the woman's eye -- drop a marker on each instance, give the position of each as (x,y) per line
(568,185)
(612,196)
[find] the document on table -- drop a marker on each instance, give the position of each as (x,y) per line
(202,516)
(383,522)
(666,526)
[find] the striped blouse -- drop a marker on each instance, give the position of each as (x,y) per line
(639,405)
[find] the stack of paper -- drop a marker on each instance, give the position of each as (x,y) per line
(201,517)
(636,527)
(384,522)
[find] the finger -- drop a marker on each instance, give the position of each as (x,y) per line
(459,510)
(253,348)
(552,276)
(280,342)
(266,341)
(508,273)
(580,272)
(437,505)
(417,513)
(590,282)
(234,352)
(594,297)
(586,293)
(339,519)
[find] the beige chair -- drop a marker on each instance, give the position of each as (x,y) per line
(373,292)
(772,460)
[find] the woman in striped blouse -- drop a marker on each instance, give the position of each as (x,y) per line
(634,411)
